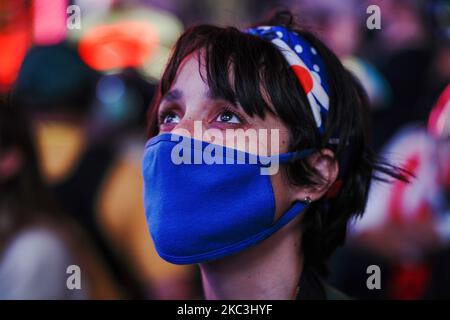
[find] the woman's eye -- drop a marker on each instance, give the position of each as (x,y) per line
(228,117)
(170,118)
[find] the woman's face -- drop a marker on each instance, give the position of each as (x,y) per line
(189,104)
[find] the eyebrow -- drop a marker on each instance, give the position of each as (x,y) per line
(172,95)
(177,94)
(218,96)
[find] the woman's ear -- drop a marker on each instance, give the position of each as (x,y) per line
(327,167)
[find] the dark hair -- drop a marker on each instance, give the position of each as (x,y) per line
(54,79)
(263,82)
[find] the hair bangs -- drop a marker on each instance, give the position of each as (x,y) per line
(239,67)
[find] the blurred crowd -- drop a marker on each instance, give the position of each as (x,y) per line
(73,106)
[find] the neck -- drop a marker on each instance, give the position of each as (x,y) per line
(269,270)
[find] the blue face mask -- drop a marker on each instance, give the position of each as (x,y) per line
(202,212)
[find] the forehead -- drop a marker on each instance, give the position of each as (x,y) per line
(190,67)
(191,75)
(191,80)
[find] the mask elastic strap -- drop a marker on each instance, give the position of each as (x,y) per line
(294,211)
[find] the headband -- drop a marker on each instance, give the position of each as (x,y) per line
(306,64)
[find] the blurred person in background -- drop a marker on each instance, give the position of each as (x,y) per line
(438,12)
(412,51)
(89,137)
(403,66)
(409,53)
(342,26)
(57,89)
(337,23)
(235,12)
(439,128)
(406,227)
(37,241)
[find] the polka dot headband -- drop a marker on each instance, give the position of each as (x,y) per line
(306,64)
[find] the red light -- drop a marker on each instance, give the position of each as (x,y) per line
(119,45)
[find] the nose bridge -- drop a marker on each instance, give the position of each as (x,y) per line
(191,124)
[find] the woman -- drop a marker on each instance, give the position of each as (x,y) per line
(256,234)
(39,245)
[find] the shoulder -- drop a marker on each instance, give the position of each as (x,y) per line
(38,243)
(34,264)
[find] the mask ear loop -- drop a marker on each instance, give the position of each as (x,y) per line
(297,155)
(291,156)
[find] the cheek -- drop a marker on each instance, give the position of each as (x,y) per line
(264,138)
(282,189)
(276,135)
(282,192)
(277,141)
(261,141)
(274,142)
